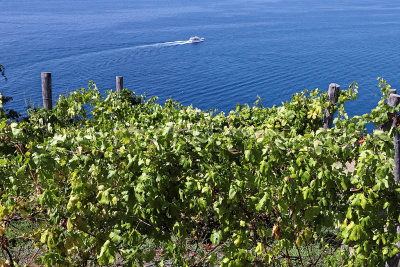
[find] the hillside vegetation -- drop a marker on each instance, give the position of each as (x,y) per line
(121,179)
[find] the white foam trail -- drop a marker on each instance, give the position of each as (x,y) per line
(163,44)
(111,51)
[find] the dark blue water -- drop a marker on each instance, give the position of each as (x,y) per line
(270,48)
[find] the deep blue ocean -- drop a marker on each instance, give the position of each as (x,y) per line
(270,48)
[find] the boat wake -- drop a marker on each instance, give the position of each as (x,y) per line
(110,52)
(165,44)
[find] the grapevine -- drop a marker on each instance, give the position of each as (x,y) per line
(102,177)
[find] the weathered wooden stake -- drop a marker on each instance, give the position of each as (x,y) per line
(119,83)
(333,95)
(394,100)
(46,90)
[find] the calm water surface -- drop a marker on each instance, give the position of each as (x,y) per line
(270,48)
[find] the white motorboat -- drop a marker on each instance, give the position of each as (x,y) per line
(196,39)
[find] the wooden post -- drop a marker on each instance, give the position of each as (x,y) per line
(394,100)
(46,90)
(333,95)
(119,83)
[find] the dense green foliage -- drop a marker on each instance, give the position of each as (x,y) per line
(8,113)
(106,176)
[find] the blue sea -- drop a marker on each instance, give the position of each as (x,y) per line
(266,48)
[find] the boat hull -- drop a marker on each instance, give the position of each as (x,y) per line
(196,39)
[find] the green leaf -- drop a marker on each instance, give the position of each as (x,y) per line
(280,144)
(216,237)
(17,132)
(318,147)
(363,201)
(344,185)
(349,213)
(262,201)
(247,155)
(259,248)
(115,237)
(2,213)
(232,192)
(43,237)
(305,193)
(106,254)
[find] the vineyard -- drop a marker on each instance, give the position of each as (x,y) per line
(118,179)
